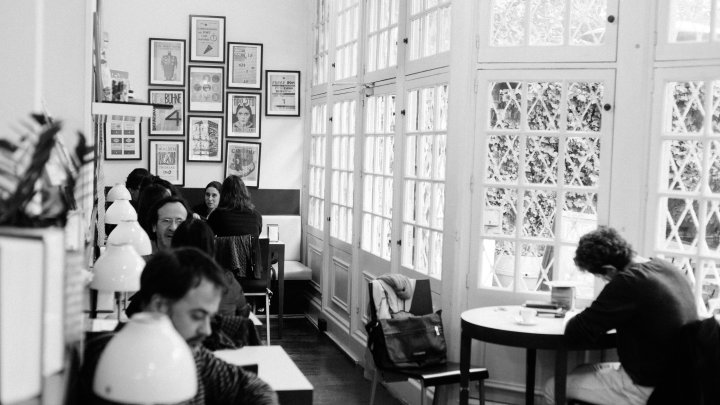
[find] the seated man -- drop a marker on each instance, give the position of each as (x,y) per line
(165,217)
(186,285)
(646,301)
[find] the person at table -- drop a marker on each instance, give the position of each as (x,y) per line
(235,214)
(165,217)
(210,201)
(149,196)
(133,182)
(646,301)
(186,285)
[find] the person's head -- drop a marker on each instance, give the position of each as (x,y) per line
(212,194)
(185,284)
(235,194)
(153,179)
(244,115)
(149,196)
(603,252)
(165,216)
(196,233)
(134,180)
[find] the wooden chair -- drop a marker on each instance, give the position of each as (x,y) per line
(432,376)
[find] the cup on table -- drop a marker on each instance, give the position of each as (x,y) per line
(527,315)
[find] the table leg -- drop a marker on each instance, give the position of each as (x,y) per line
(465,349)
(281,287)
(560,376)
(530,358)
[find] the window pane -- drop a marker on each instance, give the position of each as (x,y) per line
(690,21)
(546,22)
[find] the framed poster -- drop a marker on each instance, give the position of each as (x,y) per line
(206,89)
(204,139)
(122,138)
(244,65)
(243,159)
(282,93)
(167,121)
(166,160)
(207,39)
(167,62)
(243,116)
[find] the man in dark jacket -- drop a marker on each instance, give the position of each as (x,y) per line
(646,301)
(186,285)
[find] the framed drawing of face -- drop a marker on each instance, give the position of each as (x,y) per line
(243,115)
(204,139)
(243,159)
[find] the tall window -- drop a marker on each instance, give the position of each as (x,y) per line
(321,32)
(343,155)
(316,189)
(346,39)
(382,34)
(542,175)
(379,156)
(429,32)
(424,179)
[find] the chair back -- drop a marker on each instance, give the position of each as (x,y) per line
(261,263)
(420,302)
(246,256)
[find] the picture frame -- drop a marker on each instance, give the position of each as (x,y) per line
(205,92)
(204,139)
(244,66)
(243,115)
(167,121)
(207,38)
(282,93)
(123,139)
(167,62)
(243,159)
(166,160)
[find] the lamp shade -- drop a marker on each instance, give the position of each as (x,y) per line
(130,233)
(146,362)
(118,192)
(118,269)
(120,210)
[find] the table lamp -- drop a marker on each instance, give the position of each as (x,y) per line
(118,192)
(118,269)
(120,210)
(129,232)
(146,362)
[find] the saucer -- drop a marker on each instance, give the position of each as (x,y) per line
(519,321)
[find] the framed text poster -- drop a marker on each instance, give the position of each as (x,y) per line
(166,160)
(122,138)
(207,39)
(244,66)
(167,62)
(243,116)
(167,121)
(243,159)
(282,93)
(204,139)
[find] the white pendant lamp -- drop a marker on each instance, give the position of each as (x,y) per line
(118,192)
(118,269)
(130,233)
(120,210)
(146,362)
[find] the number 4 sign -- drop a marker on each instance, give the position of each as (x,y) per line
(167,121)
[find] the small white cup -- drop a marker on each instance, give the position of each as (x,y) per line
(527,315)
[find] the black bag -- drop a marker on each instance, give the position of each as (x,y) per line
(411,342)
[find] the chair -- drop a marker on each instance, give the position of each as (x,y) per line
(248,257)
(432,376)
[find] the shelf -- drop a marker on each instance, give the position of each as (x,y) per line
(128,109)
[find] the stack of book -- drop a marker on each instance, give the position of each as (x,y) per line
(546,308)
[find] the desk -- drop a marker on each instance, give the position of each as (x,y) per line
(276,368)
(498,325)
(277,249)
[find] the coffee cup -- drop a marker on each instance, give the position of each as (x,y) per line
(527,315)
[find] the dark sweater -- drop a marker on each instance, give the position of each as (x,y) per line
(235,222)
(646,303)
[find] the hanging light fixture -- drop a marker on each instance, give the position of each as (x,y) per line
(130,233)
(146,362)
(118,192)
(118,269)
(120,210)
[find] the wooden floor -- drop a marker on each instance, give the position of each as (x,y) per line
(335,377)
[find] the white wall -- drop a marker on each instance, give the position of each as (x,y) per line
(281,26)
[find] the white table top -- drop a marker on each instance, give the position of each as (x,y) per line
(275,367)
(507,318)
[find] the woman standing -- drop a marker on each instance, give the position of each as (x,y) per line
(211,200)
(235,214)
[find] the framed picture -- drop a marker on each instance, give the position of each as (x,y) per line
(282,93)
(206,89)
(207,39)
(167,121)
(244,65)
(243,115)
(204,139)
(166,160)
(122,138)
(243,159)
(167,62)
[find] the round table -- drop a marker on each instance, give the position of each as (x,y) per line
(502,325)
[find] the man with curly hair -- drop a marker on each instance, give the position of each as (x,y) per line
(646,301)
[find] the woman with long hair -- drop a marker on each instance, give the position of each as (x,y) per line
(235,214)
(210,200)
